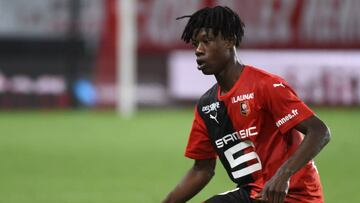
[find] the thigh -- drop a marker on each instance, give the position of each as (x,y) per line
(238,195)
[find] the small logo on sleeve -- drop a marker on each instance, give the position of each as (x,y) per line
(214,117)
(209,109)
(287,117)
(279,85)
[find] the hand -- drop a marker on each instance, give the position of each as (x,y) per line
(275,190)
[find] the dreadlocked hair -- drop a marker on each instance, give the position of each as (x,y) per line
(218,19)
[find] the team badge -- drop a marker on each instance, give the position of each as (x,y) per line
(244,108)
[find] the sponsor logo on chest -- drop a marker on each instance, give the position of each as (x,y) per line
(237,135)
(243,97)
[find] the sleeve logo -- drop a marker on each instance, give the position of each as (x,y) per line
(279,85)
(287,117)
(211,108)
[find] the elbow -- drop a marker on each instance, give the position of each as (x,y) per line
(327,136)
(322,129)
(207,175)
(205,168)
(211,173)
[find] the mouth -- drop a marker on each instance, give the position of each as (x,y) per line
(201,64)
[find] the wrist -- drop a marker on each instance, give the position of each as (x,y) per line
(286,172)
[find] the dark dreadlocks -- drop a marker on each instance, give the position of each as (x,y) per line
(218,19)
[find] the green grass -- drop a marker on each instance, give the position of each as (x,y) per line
(97,157)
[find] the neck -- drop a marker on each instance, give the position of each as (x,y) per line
(230,74)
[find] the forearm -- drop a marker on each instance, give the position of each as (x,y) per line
(314,141)
(192,183)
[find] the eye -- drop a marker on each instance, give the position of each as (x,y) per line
(207,40)
(195,43)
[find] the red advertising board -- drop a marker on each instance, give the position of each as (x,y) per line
(269,24)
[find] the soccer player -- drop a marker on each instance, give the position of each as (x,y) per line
(263,134)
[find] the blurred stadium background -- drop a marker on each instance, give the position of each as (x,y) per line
(96,96)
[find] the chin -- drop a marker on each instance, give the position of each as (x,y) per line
(207,72)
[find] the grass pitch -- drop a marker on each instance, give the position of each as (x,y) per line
(97,157)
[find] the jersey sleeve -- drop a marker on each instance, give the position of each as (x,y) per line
(199,145)
(284,105)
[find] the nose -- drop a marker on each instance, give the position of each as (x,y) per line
(199,50)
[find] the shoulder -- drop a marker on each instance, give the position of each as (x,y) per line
(263,78)
(268,86)
(262,75)
(210,94)
(208,100)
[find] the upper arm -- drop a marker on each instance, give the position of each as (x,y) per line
(207,165)
(313,124)
(315,128)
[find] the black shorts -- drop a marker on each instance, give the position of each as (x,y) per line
(238,195)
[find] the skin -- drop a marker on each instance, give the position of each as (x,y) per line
(193,182)
(216,56)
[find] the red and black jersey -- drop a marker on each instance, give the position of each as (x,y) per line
(250,129)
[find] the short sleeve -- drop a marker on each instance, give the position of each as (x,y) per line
(199,145)
(280,100)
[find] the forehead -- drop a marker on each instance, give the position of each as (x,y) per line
(203,33)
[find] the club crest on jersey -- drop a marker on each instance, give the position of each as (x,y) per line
(244,108)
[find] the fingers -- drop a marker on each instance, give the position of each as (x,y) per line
(282,197)
(275,196)
(271,196)
(274,191)
(278,197)
(262,196)
(259,197)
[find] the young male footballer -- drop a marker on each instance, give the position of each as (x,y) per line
(262,133)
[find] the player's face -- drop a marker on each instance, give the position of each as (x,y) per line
(212,53)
